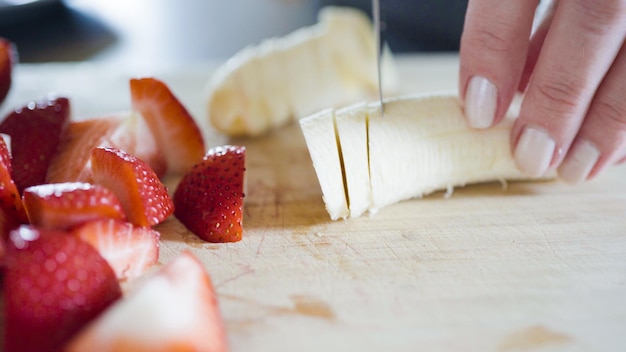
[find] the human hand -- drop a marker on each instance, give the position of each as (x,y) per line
(573,69)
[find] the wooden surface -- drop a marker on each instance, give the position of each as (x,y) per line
(536,267)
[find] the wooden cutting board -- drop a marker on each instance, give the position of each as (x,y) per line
(535,267)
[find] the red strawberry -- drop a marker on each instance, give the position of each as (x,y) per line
(209,199)
(136,138)
(177,134)
(64,205)
(127,132)
(35,130)
(174,310)
(130,250)
(144,198)
(11,210)
(7,223)
(54,284)
(7,57)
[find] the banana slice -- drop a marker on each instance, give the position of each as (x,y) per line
(321,139)
(421,145)
(283,79)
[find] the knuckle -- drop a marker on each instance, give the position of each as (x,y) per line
(611,113)
(600,17)
(492,40)
(559,96)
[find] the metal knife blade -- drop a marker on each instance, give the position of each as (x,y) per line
(379,50)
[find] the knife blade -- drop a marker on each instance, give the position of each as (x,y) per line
(379,50)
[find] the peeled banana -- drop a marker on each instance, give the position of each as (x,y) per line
(283,79)
(422,144)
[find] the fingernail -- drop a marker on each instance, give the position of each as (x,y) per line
(534,151)
(480,102)
(581,158)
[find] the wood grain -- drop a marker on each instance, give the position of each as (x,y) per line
(536,267)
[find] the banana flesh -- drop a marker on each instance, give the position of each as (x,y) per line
(283,79)
(421,145)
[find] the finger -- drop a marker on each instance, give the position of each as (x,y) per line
(601,140)
(580,46)
(544,15)
(493,52)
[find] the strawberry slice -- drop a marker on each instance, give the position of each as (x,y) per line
(7,223)
(11,209)
(209,199)
(64,205)
(126,132)
(35,131)
(176,132)
(7,57)
(53,285)
(174,310)
(130,250)
(144,198)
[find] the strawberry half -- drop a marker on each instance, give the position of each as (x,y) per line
(11,209)
(174,310)
(130,250)
(176,132)
(126,132)
(64,205)
(53,285)
(35,131)
(144,198)
(7,56)
(209,199)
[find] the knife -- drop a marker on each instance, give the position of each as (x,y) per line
(379,50)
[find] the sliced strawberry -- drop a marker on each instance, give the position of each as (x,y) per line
(54,284)
(7,57)
(7,223)
(64,205)
(35,131)
(71,163)
(174,310)
(144,198)
(11,209)
(130,250)
(176,132)
(127,132)
(136,138)
(209,199)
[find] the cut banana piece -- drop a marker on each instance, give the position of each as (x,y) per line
(319,133)
(421,145)
(283,79)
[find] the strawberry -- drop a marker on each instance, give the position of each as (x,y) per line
(176,132)
(7,58)
(64,205)
(209,198)
(35,130)
(127,132)
(144,198)
(174,310)
(7,223)
(54,284)
(11,209)
(130,250)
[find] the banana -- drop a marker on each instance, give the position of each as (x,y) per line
(422,144)
(325,65)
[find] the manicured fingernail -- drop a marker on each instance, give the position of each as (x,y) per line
(480,102)
(534,151)
(581,158)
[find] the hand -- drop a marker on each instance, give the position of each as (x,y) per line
(573,69)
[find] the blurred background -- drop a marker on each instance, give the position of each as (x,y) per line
(191,31)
